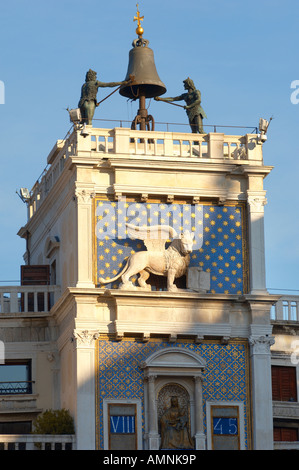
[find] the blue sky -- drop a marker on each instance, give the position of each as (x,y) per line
(243,56)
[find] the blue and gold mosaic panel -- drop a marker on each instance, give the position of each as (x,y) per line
(226,375)
(219,242)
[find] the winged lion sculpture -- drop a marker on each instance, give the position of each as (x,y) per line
(171,262)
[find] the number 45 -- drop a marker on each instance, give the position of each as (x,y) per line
(226,426)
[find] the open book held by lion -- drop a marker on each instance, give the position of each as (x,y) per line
(171,262)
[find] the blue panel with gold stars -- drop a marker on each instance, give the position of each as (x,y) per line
(119,376)
(219,243)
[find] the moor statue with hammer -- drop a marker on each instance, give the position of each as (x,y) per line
(88,99)
(193,107)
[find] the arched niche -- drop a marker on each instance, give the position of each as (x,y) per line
(173,367)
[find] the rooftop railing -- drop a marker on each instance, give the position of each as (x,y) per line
(123,142)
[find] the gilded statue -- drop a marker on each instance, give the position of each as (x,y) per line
(193,107)
(174,425)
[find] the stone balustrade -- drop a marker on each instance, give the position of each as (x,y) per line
(17,299)
(286,309)
(123,143)
(37,442)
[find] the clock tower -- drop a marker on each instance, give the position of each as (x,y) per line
(156,241)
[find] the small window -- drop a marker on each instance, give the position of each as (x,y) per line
(284,384)
(15,377)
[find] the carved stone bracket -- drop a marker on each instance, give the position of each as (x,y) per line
(144,197)
(170,198)
(118,196)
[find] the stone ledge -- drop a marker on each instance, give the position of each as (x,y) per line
(285,409)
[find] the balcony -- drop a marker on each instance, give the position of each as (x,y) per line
(286,309)
(27,299)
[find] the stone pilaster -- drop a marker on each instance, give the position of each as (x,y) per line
(256,202)
(84,197)
(200,438)
(153,435)
(85,388)
(261,391)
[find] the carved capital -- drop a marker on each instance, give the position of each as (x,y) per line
(85,337)
(84,196)
(261,344)
(151,378)
(256,202)
(198,378)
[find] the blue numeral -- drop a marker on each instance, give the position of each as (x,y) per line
(227,426)
(122,424)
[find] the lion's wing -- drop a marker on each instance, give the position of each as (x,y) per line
(154,237)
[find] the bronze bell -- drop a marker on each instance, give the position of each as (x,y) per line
(146,82)
(142,67)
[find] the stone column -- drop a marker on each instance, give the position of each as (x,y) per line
(85,389)
(153,435)
(200,438)
(261,391)
(84,273)
(256,202)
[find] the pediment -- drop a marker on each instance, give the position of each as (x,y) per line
(177,358)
